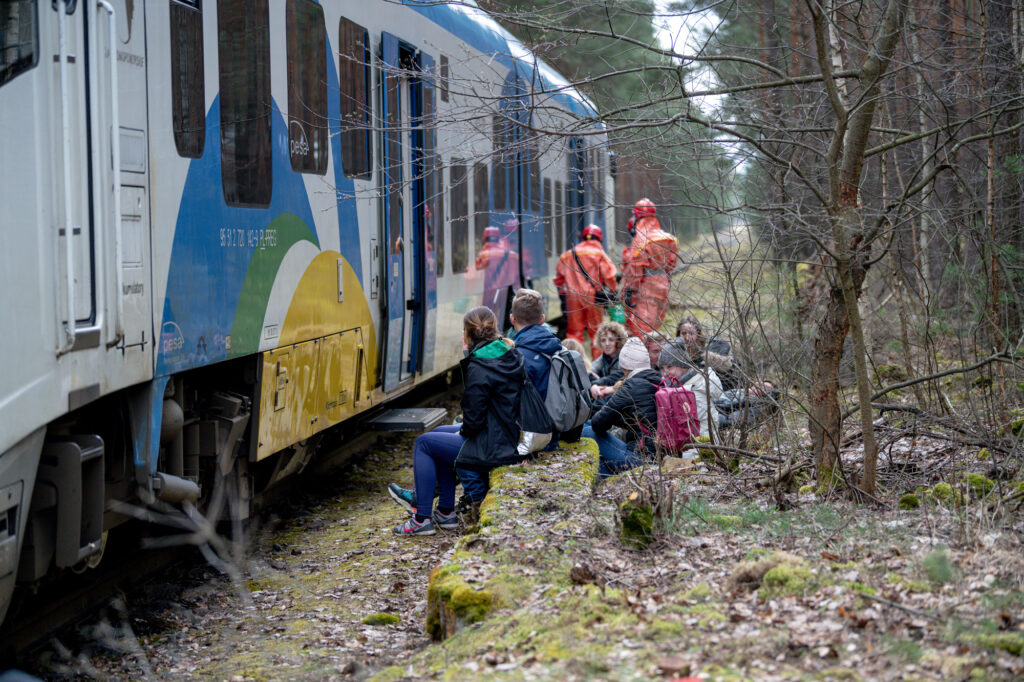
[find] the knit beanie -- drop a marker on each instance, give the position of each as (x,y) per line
(634,355)
(674,353)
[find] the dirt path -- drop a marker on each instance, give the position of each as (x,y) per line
(312,583)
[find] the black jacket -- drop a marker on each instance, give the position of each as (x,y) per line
(633,408)
(606,370)
(493,374)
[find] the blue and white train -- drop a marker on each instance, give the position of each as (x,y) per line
(229,226)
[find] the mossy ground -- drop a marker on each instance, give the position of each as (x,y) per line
(589,606)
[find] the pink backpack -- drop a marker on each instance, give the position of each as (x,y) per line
(678,423)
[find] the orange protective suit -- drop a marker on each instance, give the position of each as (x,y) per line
(500,263)
(581,289)
(646,268)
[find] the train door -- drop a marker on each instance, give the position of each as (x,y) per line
(403,226)
(527,173)
(101,155)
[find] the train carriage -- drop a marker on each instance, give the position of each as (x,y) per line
(230,226)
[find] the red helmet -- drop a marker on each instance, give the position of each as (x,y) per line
(592,232)
(644,209)
(491,234)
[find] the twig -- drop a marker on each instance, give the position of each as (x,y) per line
(901,607)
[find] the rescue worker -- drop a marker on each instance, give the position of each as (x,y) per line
(646,269)
(583,272)
(500,263)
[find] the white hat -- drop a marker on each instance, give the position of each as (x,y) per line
(634,355)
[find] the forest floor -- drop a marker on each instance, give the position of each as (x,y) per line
(738,582)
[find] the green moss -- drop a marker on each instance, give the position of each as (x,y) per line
(636,523)
(1018,488)
(829,480)
(1010,642)
(668,629)
(390,674)
(726,521)
(984,455)
(891,372)
(909,501)
(806,489)
(707,615)
(699,592)
(979,486)
(789,577)
(861,588)
(1017,425)
(756,553)
(907,583)
(946,495)
(488,508)
(381,619)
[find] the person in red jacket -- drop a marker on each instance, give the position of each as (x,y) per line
(646,270)
(582,272)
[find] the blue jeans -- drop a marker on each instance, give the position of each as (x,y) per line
(616,456)
(433,466)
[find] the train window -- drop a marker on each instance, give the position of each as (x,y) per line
(481,209)
(19,38)
(559,223)
(502,152)
(459,191)
(244,58)
(443,80)
(440,222)
(307,86)
(549,223)
(188,91)
(354,75)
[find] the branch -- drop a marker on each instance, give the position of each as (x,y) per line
(997,357)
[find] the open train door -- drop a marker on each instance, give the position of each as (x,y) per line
(406,216)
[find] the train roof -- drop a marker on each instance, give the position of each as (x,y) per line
(482,32)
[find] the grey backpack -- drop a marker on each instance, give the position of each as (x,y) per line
(568,400)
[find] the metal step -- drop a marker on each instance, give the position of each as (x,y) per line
(407,419)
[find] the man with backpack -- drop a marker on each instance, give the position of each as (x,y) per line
(538,347)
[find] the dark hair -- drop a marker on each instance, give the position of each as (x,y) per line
(528,307)
(479,324)
(691,320)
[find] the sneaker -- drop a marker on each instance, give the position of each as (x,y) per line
(404,497)
(414,527)
(446,521)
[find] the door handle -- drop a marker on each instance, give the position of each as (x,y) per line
(115,159)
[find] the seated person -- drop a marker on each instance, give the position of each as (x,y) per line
(605,371)
(736,402)
(573,344)
(675,361)
(747,405)
(631,407)
(487,437)
(716,353)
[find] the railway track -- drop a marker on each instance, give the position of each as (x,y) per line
(135,553)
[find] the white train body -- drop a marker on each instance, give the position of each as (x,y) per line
(225,230)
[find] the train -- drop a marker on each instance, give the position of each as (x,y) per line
(232,226)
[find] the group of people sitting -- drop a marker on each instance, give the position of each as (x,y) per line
(624,381)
